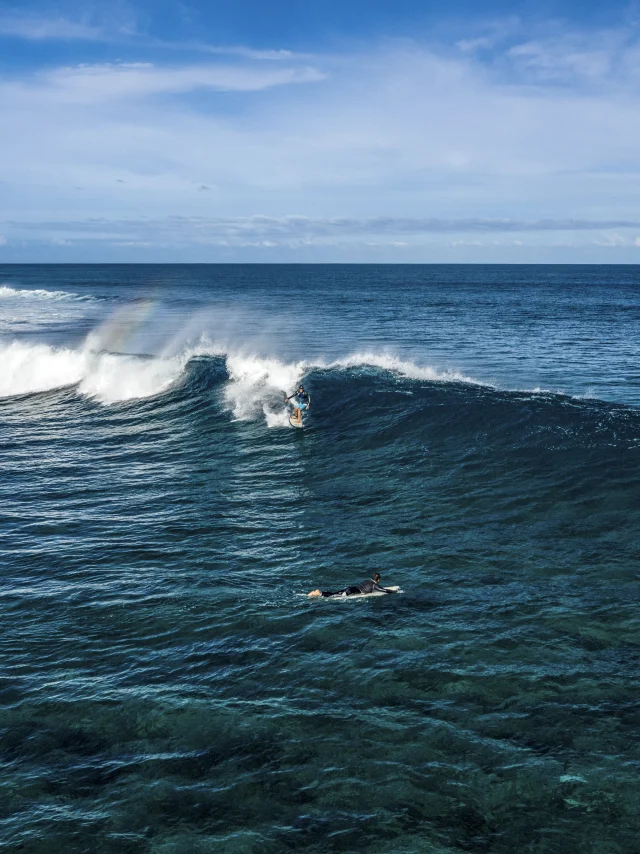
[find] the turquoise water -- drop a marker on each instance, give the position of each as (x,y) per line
(474,436)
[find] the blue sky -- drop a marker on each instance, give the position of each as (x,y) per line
(307,131)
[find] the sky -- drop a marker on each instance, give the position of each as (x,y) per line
(304,131)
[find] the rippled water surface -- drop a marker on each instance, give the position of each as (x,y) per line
(474,435)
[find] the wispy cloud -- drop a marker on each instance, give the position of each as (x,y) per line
(287,228)
(239,51)
(91,84)
(34,28)
(393,145)
(123,29)
(295,238)
(567,58)
(71,21)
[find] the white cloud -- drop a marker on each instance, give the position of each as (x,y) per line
(298,230)
(473,45)
(241,51)
(420,136)
(612,240)
(95,22)
(606,59)
(120,27)
(91,84)
(43,29)
(556,60)
(3,240)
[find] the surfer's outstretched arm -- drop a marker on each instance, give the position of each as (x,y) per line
(377,588)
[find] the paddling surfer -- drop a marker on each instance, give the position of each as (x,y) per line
(371,585)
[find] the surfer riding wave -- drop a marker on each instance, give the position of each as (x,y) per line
(302,402)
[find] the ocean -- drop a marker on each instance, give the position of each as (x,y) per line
(474,435)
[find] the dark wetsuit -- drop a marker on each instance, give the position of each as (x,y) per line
(368,586)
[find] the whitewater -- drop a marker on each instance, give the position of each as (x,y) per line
(474,436)
(113,377)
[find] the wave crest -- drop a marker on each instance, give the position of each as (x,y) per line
(7,292)
(108,377)
(254,389)
(395,365)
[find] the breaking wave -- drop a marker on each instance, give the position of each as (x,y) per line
(254,389)
(9,293)
(108,377)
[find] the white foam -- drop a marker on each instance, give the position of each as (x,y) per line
(257,386)
(8,293)
(112,378)
(28,368)
(37,367)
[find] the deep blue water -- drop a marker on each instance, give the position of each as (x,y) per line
(474,435)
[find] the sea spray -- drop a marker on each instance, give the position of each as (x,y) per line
(255,388)
(30,368)
(109,377)
(258,385)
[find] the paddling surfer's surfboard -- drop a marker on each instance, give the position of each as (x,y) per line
(395,589)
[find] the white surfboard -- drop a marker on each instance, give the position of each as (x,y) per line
(395,589)
(294,422)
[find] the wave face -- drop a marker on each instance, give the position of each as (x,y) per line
(166,685)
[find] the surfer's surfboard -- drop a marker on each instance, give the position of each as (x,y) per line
(294,422)
(395,589)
